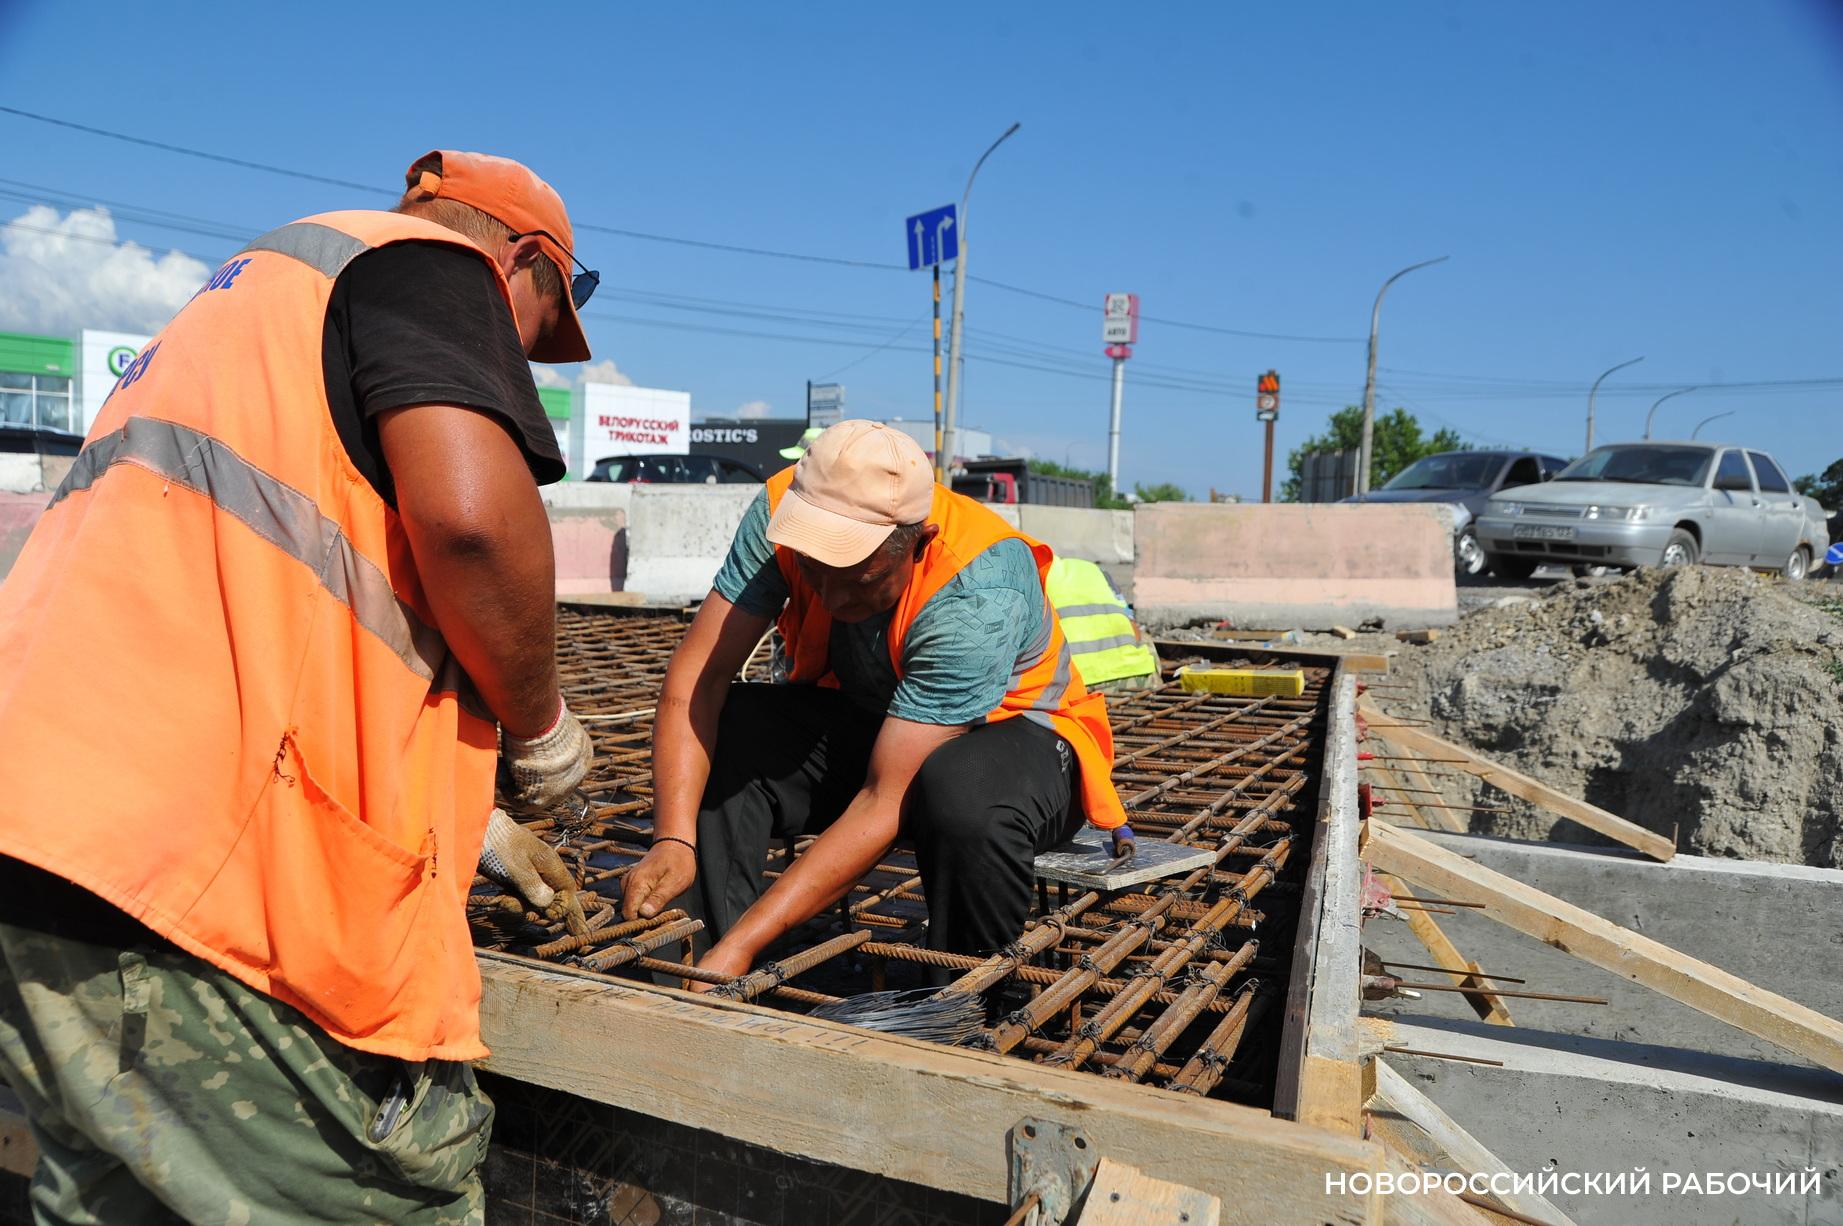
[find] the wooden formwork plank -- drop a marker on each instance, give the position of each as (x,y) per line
(1587,936)
(1322,1019)
(1489,1006)
(1517,784)
(908,1110)
(1459,1148)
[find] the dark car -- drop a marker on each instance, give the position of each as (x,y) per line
(693,469)
(1465,479)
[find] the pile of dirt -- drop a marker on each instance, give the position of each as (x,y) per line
(1702,699)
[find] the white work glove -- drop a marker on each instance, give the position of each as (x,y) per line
(539,772)
(521,861)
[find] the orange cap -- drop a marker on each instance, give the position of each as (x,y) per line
(510,192)
(853,487)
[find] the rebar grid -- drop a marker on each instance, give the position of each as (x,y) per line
(1169,984)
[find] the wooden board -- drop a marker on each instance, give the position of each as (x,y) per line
(1440,948)
(1503,778)
(1321,1022)
(1459,1148)
(1124,1196)
(1569,928)
(932,1115)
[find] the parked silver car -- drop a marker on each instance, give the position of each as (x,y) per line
(1464,480)
(1657,504)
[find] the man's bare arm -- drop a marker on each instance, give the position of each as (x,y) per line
(684,739)
(482,545)
(844,853)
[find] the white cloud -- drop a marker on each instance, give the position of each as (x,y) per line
(66,273)
(605,371)
(548,376)
(754,410)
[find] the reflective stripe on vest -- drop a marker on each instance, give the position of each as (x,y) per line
(1101,634)
(296,785)
(1044,687)
(285,517)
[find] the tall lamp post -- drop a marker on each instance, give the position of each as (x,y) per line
(1369,382)
(955,359)
(1705,421)
(1660,400)
(1596,387)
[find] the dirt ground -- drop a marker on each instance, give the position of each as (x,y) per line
(1708,701)
(1705,699)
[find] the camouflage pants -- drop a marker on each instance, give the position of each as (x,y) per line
(161,1089)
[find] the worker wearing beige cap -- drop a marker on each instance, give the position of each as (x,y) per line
(928,694)
(275,634)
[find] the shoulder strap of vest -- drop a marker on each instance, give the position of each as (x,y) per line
(967,529)
(328,242)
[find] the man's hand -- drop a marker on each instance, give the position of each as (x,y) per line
(539,771)
(521,861)
(666,871)
(726,957)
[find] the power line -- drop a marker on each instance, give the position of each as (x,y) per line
(833,374)
(732,248)
(1175,323)
(197,153)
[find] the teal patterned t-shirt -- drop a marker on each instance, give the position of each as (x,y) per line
(961,653)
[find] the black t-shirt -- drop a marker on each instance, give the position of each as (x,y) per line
(423,323)
(409,323)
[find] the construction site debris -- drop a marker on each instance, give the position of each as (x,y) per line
(1704,700)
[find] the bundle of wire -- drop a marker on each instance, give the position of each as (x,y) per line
(915,1013)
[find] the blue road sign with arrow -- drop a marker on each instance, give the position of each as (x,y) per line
(933,237)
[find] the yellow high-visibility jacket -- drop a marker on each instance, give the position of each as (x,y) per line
(1105,643)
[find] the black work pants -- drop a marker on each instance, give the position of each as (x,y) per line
(790,758)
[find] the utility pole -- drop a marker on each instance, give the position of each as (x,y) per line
(1369,382)
(956,360)
(940,460)
(1119,332)
(1119,354)
(1595,388)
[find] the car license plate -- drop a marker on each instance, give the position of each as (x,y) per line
(1543,532)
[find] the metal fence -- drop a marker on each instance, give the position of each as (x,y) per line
(1326,476)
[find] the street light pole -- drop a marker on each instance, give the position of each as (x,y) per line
(1369,382)
(956,359)
(1660,400)
(1595,388)
(1705,421)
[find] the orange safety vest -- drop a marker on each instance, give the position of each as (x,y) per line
(225,708)
(1048,691)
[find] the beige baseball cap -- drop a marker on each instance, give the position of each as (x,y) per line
(855,485)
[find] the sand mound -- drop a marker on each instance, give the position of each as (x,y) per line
(1705,699)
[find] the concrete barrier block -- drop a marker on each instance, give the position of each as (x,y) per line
(588,531)
(1282,566)
(1080,532)
(678,536)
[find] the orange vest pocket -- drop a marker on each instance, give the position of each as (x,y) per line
(341,903)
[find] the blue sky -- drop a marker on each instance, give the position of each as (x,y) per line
(1609,180)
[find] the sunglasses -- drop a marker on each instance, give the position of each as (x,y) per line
(582,284)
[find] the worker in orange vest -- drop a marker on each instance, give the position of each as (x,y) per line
(256,651)
(930,693)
